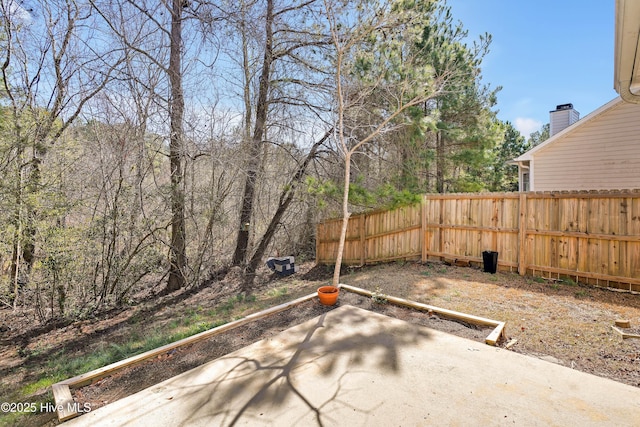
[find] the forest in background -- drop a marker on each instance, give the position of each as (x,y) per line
(150,144)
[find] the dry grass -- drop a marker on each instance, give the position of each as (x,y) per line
(560,321)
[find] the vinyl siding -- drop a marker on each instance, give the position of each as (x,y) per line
(602,154)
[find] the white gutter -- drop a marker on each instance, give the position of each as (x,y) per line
(627,50)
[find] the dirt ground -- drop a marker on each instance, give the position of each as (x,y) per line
(562,322)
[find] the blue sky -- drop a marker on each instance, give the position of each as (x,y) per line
(544,53)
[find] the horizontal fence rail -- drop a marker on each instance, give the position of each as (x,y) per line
(590,236)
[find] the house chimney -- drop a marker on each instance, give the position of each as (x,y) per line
(561,118)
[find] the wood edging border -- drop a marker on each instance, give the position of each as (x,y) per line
(67,408)
(624,334)
(492,338)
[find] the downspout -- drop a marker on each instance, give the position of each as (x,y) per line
(627,94)
(627,16)
(521,170)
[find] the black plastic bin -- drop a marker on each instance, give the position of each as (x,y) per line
(490,260)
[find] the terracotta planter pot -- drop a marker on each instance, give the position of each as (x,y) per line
(328,295)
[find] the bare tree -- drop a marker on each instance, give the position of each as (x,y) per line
(49,70)
(246,210)
(378,76)
(178,251)
(284,201)
(287,47)
(162,27)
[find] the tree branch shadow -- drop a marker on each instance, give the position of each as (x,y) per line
(309,374)
(315,355)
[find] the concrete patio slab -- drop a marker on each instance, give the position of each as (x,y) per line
(358,368)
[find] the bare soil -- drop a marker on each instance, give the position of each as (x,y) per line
(561,322)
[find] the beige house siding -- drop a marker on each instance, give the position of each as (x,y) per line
(603,153)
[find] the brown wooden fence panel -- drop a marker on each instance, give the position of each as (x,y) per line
(462,226)
(393,234)
(373,237)
(593,237)
(327,247)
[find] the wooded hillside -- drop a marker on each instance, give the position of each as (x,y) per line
(147,144)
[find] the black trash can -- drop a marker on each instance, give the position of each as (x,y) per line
(490,260)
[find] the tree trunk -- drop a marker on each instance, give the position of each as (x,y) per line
(407,170)
(285,200)
(15,268)
(345,218)
(240,253)
(178,258)
(440,163)
(32,188)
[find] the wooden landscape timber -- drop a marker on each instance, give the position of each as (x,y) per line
(67,408)
(61,391)
(625,335)
(492,338)
(587,236)
(623,323)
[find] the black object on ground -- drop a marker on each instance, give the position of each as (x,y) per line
(490,261)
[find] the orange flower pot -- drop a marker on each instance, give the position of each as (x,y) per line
(328,295)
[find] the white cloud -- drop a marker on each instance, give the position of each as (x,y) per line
(527,126)
(16,12)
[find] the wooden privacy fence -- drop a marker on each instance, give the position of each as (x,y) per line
(590,236)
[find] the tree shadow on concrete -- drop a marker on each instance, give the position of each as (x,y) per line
(309,368)
(293,371)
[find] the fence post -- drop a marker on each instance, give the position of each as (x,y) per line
(494,223)
(363,240)
(318,243)
(522,235)
(423,227)
(440,228)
